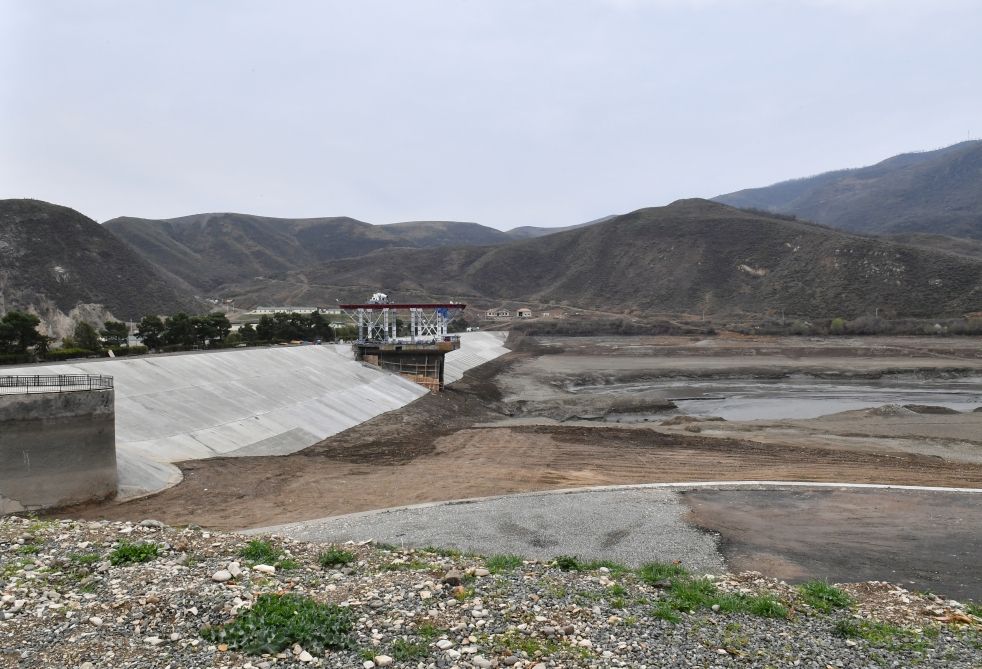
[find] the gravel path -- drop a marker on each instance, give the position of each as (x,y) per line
(67,599)
(631,526)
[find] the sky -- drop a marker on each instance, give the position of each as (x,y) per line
(503,112)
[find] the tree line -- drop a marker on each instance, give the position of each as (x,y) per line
(20,340)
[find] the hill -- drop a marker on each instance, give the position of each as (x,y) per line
(938,192)
(675,258)
(531,231)
(208,250)
(53,259)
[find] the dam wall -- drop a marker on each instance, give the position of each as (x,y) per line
(246,402)
(56,448)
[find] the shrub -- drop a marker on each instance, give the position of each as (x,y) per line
(334,557)
(406,651)
(15,358)
(127,553)
(568,563)
(66,353)
(276,622)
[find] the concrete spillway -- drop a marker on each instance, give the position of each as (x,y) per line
(268,401)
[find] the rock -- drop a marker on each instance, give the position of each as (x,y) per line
(96,620)
(425,594)
(510,660)
(150,522)
(221,576)
(540,665)
(480,572)
(444,644)
(305,657)
(368,664)
(549,631)
(453,654)
(584,643)
(234,569)
(453,578)
(153,640)
(383,660)
(481,661)
(86,665)
(264,569)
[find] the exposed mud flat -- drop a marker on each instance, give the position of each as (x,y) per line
(514,425)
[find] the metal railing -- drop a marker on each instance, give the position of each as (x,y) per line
(54,383)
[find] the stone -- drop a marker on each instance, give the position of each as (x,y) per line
(540,665)
(221,576)
(453,578)
(481,661)
(480,571)
(153,640)
(86,665)
(444,644)
(368,664)
(150,522)
(510,660)
(264,569)
(425,594)
(234,569)
(305,657)
(584,643)
(383,660)
(96,620)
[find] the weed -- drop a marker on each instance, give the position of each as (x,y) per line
(428,631)
(568,563)
(276,622)
(765,607)
(287,565)
(617,603)
(461,595)
(84,558)
(617,590)
(260,551)
(335,557)
(127,553)
(883,635)
(824,597)
(653,572)
(28,549)
(498,564)
(382,546)
(974,609)
(665,611)
(515,642)
(406,651)
(442,552)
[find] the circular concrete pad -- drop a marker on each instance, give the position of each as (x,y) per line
(629,526)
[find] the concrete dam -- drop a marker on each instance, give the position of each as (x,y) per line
(246,402)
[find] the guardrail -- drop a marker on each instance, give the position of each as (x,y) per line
(54,383)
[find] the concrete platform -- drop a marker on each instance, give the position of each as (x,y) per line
(922,538)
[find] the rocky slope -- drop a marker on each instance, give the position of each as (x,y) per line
(688,256)
(124,595)
(53,259)
(937,192)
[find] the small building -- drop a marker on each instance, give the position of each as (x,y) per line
(259,311)
(498,313)
(524,312)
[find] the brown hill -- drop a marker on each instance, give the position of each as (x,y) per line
(937,192)
(53,259)
(208,250)
(672,258)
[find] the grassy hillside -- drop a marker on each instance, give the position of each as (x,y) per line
(208,250)
(52,255)
(937,192)
(673,258)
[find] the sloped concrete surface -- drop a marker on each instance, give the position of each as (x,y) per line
(255,402)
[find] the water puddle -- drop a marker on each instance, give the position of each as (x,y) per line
(799,397)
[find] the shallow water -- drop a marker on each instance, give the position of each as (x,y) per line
(800,397)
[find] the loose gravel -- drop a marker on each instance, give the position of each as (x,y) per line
(63,603)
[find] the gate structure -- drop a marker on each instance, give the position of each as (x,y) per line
(419,354)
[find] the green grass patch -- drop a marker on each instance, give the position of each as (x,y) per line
(127,553)
(824,597)
(515,642)
(694,594)
(28,549)
(428,631)
(653,572)
(442,552)
(573,563)
(335,557)
(260,551)
(885,635)
(974,609)
(499,564)
(403,650)
(665,611)
(276,622)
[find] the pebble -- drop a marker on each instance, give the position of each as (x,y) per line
(305,656)
(264,569)
(96,620)
(235,569)
(443,644)
(221,576)
(481,661)
(383,660)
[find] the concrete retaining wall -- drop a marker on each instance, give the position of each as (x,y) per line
(56,449)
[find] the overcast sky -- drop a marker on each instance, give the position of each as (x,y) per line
(502,112)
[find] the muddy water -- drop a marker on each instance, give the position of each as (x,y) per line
(798,397)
